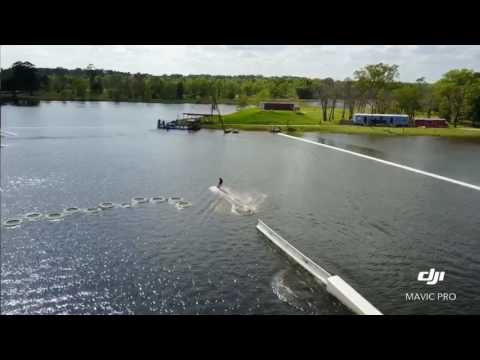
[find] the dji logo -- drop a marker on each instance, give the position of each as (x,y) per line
(431,277)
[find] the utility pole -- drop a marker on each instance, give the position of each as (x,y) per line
(215,106)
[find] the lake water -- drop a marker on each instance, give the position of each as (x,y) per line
(374,225)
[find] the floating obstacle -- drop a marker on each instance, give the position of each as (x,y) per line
(182,204)
(93,210)
(33,216)
(335,285)
(139,200)
(54,216)
(172,200)
(178,201)
(71,210)
(106,205)
(11,223)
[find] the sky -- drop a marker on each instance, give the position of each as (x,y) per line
(313,61)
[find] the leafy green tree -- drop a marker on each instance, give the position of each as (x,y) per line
(304,92)
(263,95)
(375,82)
(349,97)
(180,91)
(323,90)
(242,101)
(452,90)
(138,86)
(231,90)
(169,91)
(427,98)
(25,77)
(96,86)
(58,83)
(248,88)
(408,98)
(475,111)
(147,94)
(79,87)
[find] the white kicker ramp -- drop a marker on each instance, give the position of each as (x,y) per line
(335,284)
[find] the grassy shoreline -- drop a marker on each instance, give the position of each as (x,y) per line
(309,120)
(356,130)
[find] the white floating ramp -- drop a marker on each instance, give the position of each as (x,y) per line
(335,284)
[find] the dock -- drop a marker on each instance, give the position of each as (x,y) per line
(334,284)
(197,114)
(180,124)
(206,118)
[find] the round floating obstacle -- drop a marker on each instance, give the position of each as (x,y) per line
(106,205)
(174,199)
(11,223)
(33,216)
(182,204)
(139,200)
(93,210)
(54,216)
(71,210)
(158,199)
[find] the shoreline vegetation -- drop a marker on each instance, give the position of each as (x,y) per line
(358,130)
(8,98)
(326,105)
(308,119)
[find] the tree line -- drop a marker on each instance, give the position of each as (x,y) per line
(374,88)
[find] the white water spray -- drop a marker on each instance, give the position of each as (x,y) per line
(241,203)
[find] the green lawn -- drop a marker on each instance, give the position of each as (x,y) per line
(309,120)
(307,116)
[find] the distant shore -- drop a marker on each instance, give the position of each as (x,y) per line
(253,119)
(5,99)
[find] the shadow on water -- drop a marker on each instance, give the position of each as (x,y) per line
(351,147)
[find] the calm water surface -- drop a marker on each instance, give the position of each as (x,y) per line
(374,225)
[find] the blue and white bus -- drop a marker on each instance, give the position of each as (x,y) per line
(381,119)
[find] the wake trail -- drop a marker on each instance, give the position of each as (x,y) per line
(241,203)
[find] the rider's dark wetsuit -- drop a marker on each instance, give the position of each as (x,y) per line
(220,182)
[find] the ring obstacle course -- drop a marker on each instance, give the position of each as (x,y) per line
(71,210)
(106,205)
(14,222)
(55,216)
(33,216)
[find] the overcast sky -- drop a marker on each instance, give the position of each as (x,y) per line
(315,61)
